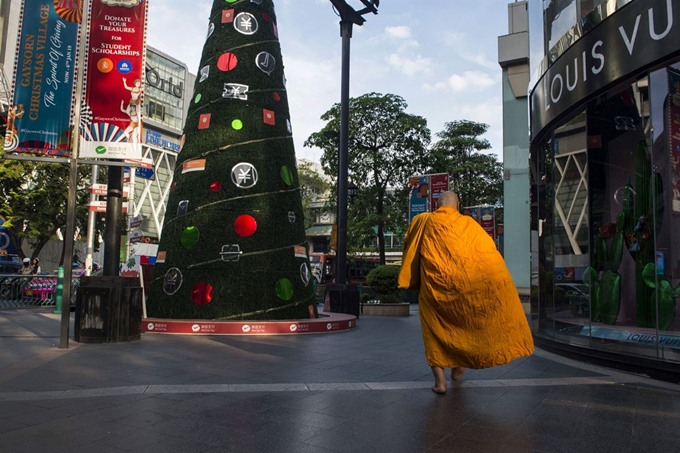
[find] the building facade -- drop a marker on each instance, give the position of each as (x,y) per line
(168,87)
(513,57)
(605,178)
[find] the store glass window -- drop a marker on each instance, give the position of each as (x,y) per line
(164,91)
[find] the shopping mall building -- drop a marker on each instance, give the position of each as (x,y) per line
(604,102)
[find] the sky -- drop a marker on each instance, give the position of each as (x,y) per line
(439,55)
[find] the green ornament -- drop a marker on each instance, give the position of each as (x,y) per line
(284,289)
(198,98)
(237,125)
(287,175)
(231,1)
(190,237)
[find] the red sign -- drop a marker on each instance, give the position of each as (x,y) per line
(488,220)
(100,206)
(336,322)
(114,80)
(101,190)
(438,183)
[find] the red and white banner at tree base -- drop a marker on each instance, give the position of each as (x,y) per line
(334,322)
(111,116)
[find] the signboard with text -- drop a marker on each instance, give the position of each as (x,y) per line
(674,135)
(40,114)
(425,191)
(114,80)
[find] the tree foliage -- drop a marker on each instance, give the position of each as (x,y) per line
(386,146)
(475,176)
(33,200)
(314,189)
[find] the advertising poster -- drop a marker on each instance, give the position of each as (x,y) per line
(420,195)
(472,212)
(438,183)
(674,135)
(112,112)
(39,118)
(488,221)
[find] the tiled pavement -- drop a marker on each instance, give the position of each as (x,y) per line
(361,391)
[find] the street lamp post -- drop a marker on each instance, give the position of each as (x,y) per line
(348,18)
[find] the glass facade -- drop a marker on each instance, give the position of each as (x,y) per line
(164,91)
(605,220)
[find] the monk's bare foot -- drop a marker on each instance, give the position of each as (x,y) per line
(438,390)
(457,373)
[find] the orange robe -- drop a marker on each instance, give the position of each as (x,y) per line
(470,310)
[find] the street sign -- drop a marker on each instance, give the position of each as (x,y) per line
(100,206)
(143,162)
(145,173)
(135,221)
(135,236)
(100,189)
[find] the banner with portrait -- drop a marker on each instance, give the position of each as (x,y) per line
(111,113)
(43,93)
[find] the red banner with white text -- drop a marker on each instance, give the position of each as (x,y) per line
(111,115)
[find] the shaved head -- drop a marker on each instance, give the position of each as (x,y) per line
(449,199)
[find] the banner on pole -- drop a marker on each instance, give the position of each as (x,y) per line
(43,94)
(425,191)
(111,115)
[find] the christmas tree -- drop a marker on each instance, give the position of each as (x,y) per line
(233,245)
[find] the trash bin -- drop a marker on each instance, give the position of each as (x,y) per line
(108,310)
(344,299)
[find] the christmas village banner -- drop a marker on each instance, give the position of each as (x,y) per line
(40,118)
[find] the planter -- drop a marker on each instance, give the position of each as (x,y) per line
(400,309)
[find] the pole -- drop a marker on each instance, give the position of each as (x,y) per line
(67,255)
(343,155)
(91,220)
(114,208)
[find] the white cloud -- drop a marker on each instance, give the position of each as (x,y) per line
(467,81)
(399,32)
(410,66)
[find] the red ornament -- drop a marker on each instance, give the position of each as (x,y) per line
(245,226)
(216,186)
(227,62)
(202,294)
(266,17)
(277,97)
(174,186)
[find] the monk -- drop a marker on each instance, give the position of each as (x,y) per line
(470,311)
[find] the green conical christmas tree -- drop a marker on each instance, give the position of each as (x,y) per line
(233,244)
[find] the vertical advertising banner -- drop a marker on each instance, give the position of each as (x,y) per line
(674,135)
(111,118)
(488,221)
(438,183)
(420,195)
(39,119)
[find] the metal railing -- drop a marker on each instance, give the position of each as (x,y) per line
(31,291)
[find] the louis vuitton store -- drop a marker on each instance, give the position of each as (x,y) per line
(605,179)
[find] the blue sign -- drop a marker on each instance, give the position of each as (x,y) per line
(420,196)
(39,117)
(145,173)
(124,67)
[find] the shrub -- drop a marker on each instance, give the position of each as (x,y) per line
(383,281)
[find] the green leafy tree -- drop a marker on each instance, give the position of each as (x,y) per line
(475,176)
(233,241)
(315,189)
(386,146)
(33,200)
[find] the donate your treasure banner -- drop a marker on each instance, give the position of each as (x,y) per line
(39,119)
(111,119)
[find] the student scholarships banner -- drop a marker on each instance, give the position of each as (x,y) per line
(111,119)
(39,119)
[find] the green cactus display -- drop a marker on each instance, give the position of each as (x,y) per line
(664,293)
(605,289)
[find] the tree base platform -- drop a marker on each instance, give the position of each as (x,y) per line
(326,323)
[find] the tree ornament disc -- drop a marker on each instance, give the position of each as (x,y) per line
(202,294)
(284,289)
(245,226)
(190,237)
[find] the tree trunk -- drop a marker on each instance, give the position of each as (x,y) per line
(234,241)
